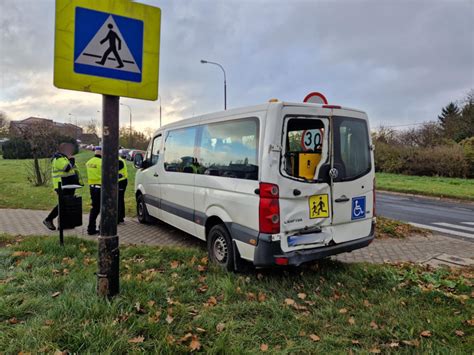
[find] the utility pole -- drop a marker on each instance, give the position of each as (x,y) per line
(109,254)
(130,142)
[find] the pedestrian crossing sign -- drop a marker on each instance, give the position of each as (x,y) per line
(107,47)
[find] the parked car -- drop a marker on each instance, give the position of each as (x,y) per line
(123,153)
(133,152)
(276,184)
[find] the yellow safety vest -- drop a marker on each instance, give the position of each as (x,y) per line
(94,171)
(123,173)
(58,169)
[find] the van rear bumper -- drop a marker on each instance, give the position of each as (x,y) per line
(267,252)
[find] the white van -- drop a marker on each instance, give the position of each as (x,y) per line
(275,184)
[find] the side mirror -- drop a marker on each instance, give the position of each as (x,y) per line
(138,161)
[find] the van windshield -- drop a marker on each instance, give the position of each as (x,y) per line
(304,139)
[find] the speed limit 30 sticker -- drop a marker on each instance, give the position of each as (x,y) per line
(312,139)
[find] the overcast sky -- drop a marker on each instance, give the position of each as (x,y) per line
(400,61)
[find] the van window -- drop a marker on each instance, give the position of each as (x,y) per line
(179,151)
(155,151)
(230,149)
(303,146)
(351,147)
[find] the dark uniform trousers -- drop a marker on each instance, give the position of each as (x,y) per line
(121,199)
(95,210)
(55,211)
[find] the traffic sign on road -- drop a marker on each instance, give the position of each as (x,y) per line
(107,47)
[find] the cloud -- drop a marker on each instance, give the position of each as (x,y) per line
(400,61)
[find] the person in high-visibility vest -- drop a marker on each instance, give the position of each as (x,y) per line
(122,185)
(64,171)
(94,178)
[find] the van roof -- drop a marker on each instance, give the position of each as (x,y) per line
(242,110)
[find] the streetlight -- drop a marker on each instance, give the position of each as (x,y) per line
(130,110)
(225,80)
(159,98)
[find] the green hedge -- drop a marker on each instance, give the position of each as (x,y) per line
(19,148)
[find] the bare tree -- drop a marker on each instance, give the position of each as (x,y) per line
(91,126)
(4,123)
(43,143)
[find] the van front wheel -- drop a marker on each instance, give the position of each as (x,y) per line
(219,246)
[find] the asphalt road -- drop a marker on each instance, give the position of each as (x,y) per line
(447,217)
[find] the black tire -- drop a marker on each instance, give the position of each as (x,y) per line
(220,247)
(142,212)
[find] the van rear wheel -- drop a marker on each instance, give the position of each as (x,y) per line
(142,212)
(219,246)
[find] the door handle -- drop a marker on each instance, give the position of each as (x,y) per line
(343,198)
(155,174)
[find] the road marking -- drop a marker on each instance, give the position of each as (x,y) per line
(443,230)
(455,226)
(468,223)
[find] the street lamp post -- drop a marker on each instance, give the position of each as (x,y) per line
(225,80)
(159,98)
(130,110)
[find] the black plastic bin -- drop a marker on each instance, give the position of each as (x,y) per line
(70,212)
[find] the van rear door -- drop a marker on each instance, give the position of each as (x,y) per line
(305,211)
(352,174)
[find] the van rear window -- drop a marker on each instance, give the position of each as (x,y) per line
(351,148)
(303,146)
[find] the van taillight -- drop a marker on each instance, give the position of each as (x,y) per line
(373,203)
(269,208)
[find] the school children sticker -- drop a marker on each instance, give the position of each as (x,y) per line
(319,206)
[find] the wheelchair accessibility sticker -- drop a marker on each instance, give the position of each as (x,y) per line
(358,207)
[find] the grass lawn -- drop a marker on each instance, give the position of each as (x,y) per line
(17,192)
(427,185)
(172,301)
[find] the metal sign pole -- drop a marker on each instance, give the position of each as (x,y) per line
(108,274)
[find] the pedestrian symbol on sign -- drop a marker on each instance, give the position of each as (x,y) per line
(108,45)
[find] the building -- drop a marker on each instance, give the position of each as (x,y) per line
(65,129)
(89,138)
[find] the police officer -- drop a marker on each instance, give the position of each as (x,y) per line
(94,178)
(64,170)
(122,185)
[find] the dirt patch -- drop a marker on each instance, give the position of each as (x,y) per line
(389,228)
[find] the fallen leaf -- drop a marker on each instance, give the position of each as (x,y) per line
(201,268)
(195,344)
(56,294)
(343,310)
(220,327)
(21,253)
(302,333)
(170,339)
(261,297)
(367,303)
(302,296)
(12,320)
(174,264)
(263,347)
(185,337)
(203,289)
(200,330)
(169,319)
(355,342)
(351,321)
(470,322)
(375,351)
(374,325)
(289,301)
(136,340)
(425,333)
(151,303)
(212,301)
(459,333)
(414,343)
(49,322)
(314,337)
(251,296)
(393,345)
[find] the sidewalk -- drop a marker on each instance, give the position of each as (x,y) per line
(414,249)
